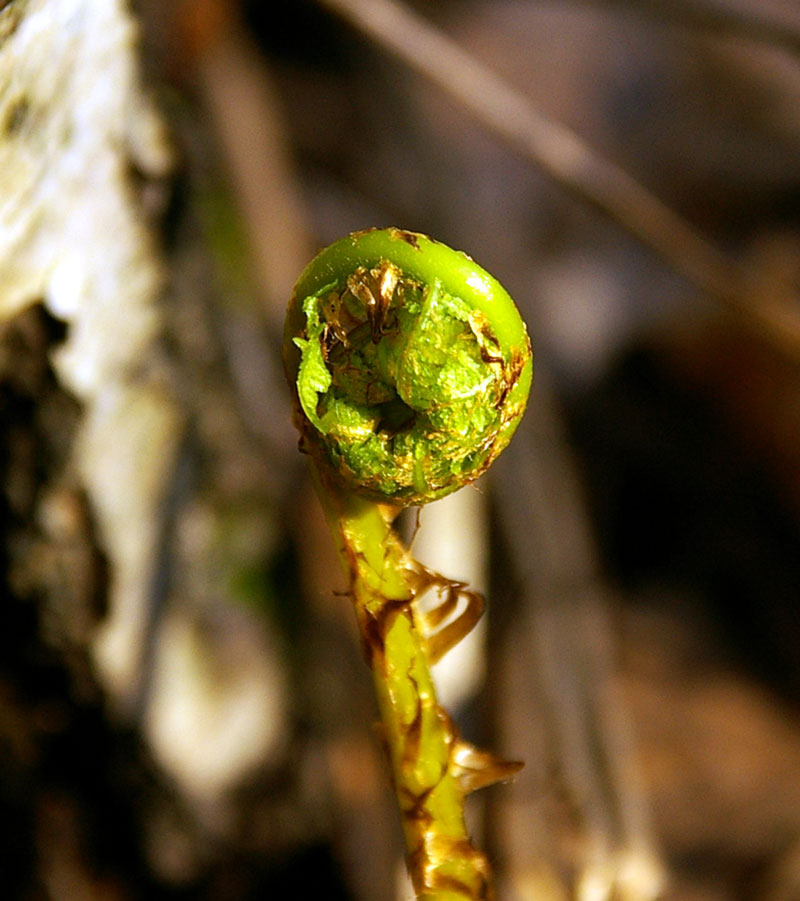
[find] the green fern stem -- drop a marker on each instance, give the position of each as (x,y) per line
(420,740)
(410,369)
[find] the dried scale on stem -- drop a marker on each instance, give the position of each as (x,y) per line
(410,368)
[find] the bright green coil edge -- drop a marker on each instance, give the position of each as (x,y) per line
(411,364)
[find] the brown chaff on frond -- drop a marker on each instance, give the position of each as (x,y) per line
(441,638)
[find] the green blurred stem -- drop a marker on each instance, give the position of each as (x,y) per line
(418,734)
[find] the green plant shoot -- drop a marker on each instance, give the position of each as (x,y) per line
(410,368)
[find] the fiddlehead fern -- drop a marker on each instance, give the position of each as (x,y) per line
(414,365)
(410,368)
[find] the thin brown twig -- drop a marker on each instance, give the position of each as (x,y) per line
(569,161)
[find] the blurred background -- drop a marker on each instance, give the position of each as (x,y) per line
(184,711)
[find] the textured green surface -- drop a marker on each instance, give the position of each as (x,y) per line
(414,364)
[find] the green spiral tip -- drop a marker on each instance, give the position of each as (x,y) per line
(410,365)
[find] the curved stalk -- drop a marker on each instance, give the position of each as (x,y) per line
(448,368)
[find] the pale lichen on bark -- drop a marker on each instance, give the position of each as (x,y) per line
(79,138)
(73,237)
